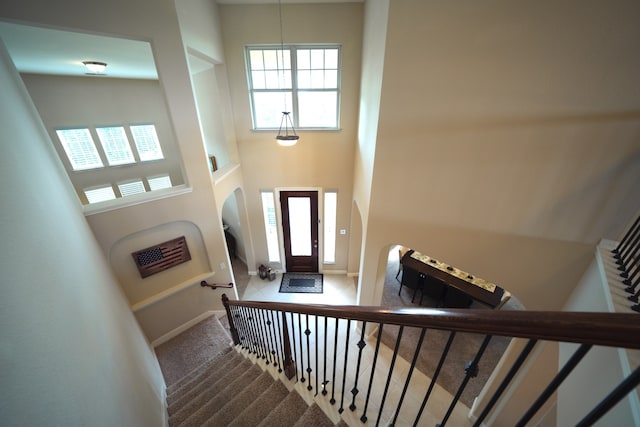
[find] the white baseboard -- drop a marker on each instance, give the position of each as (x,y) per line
(177,331)
(353,274)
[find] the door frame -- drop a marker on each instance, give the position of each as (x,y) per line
(278,207)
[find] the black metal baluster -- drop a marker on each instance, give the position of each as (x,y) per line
(274,334)
(326,332)
(393,362)
(317,371)
(471,371)
(302,378)
(307,332)
(288,363)
(263,341)
(363,418)
(265,337)
(624,255)
(278,334)
(554,384)
(274,345)
(293,344)
(627,385)
(630,260)
(344,369)
(256,332)
(436,373)
(253,343)
(409,374)
(335,355)
(505,382)
(361,345)
(626,244)
(624,240)
(631,278)
(239,320)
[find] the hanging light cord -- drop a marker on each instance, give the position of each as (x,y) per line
(284,95)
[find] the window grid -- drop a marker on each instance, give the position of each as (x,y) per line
(129,188)
(99,194)
(84,155)
(115,145)
(80,149)
(308,85)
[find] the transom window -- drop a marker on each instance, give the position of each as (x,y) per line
(98,164)
(303,79)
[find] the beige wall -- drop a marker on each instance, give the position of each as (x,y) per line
(72,352)
(198,206)
(320,159)
(62,103)
(507,140)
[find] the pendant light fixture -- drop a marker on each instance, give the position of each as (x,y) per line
(286,134)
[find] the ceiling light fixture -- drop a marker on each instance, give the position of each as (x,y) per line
(286,134)
(95,67)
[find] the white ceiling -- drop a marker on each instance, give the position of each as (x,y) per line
(41,50)
(47,51)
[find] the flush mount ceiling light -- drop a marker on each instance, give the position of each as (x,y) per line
(286,134)
(95,67)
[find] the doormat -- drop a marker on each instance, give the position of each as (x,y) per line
(301,283)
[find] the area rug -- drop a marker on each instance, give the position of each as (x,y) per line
(301,283)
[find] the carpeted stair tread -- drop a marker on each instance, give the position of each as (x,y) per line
(206,404)
(236,380)
(207,339)
(239,402)
(219,367)
(286,413)
(209,364)
(209,384)
(314,416)
(260,408)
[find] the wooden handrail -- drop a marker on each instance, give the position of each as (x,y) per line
(607,329)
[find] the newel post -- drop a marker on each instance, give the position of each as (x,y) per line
(234,332)
(289,364)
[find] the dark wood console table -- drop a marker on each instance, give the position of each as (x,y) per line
(474,287)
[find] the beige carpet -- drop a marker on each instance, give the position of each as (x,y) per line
(211,384)
(203,341)
(463,349)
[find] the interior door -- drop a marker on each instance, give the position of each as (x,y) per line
(300,230)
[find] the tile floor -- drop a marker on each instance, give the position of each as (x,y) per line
(338,289)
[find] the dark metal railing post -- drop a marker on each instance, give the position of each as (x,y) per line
(612,399)
(232,327)
(471,371)
(289,364)
(623,242)
(554,384)
(409,374)
(505,382)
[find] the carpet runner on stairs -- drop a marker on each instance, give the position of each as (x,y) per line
(228,389)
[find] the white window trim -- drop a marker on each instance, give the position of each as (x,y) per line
(294,108)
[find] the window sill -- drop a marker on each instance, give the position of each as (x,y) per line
(124,202)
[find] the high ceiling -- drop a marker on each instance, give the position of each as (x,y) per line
(40,50)
(47,51)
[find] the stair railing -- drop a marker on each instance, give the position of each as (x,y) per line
(312,343)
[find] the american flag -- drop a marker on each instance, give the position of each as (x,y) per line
(160,257)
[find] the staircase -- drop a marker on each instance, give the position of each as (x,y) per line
(228,389)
